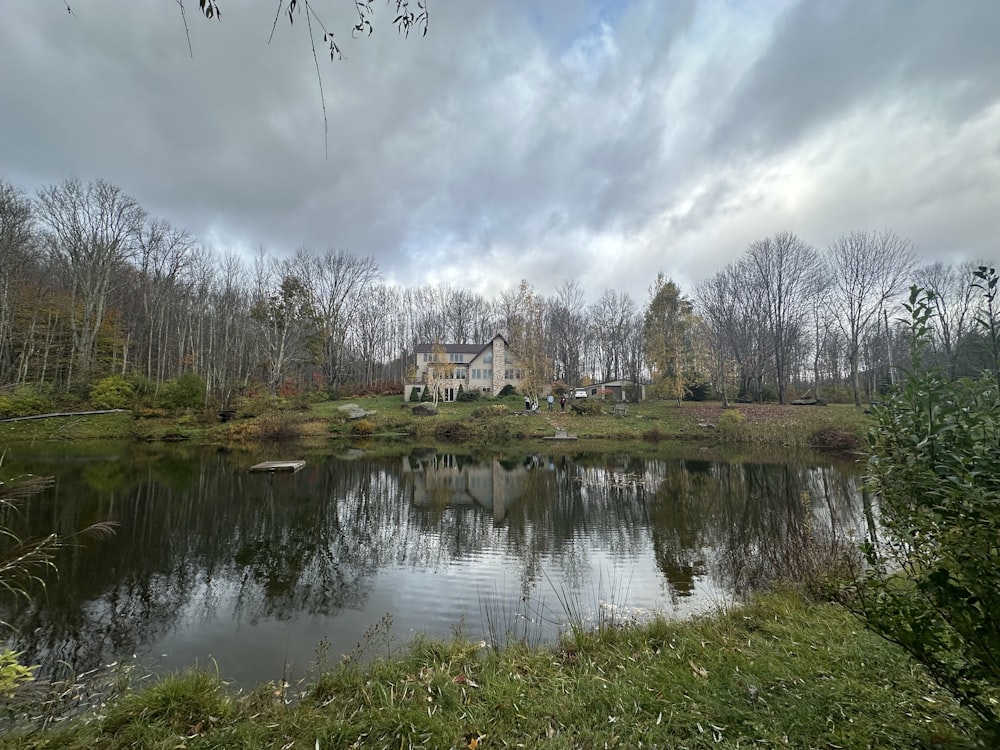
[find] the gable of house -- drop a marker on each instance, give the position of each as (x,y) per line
(473,367)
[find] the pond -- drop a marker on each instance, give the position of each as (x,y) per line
(261,574)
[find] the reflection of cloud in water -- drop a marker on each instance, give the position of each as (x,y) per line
(255,570)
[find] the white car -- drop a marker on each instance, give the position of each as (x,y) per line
(580,393)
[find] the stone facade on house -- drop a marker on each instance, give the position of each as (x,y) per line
(472,367)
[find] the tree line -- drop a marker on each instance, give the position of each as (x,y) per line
(93,287)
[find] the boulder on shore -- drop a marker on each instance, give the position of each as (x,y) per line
(353,411)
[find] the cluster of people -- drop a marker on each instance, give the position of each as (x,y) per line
(530,405)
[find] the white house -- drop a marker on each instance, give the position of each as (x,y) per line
(475,367)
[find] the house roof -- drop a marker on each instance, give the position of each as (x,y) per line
(452,348)
(458,348)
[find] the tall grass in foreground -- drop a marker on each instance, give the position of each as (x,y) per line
(778,672)
(527,620)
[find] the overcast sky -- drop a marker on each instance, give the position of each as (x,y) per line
(548,140)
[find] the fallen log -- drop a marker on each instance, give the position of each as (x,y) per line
(63,414)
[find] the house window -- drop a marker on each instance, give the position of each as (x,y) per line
(460,373)
(456,357)
(488,358)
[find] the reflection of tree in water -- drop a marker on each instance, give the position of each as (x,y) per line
(681,522)
(770,511)
(269,546)
(572,510)
(554,511)
(199,536)
(721,515)
(698,516)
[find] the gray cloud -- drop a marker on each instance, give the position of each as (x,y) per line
(603,141)
(826,58)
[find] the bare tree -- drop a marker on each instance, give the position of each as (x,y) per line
(786,273)
(954,303)
(464,314)
(567,325)
(825,341)
(438,370)
(524,324)
(373,332)
(615,321)
(227,356)
(867,270)
(17,248)
(285,318)
(715,304)
(335,280)
(165,256)
(92,230)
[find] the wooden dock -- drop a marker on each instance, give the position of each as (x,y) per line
(561,435)
(273,466)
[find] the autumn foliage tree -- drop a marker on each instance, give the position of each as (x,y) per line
(666,325)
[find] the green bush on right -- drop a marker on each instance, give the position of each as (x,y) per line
(932,584)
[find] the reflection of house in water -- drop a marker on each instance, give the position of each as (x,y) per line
(444,481)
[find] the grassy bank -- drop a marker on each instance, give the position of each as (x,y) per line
(780,672)
(112,426)
(492,422)
(651,421)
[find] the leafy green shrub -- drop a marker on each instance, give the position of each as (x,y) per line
(12,673)
(112,392)
(185,392)
(731,425)
(587,407)
(415,394)
(25,401)
(507,390)
(362,427)
(468,395)
(933,583)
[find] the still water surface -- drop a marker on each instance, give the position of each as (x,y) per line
(211,562)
